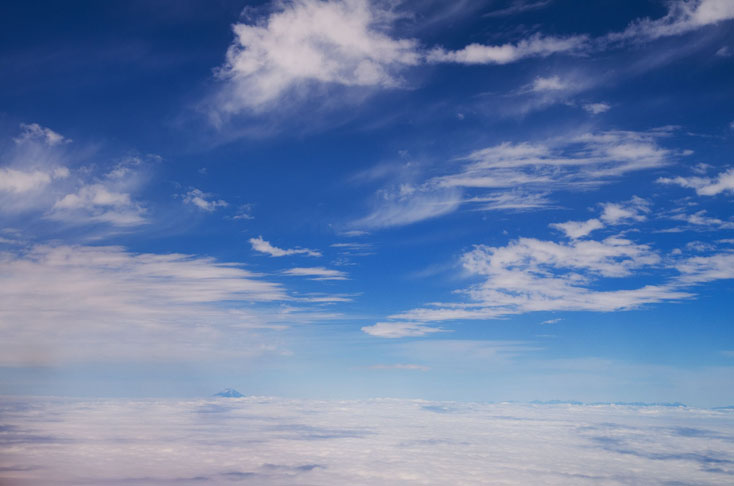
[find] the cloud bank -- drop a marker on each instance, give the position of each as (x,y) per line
(267,441)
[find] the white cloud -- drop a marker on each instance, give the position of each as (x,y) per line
(80,303)
(316,273)
(33,169)
(339,42)
(701,269)
(578,229)
(510,200)
(552,83)
(517,7)
(38,179)
(700,220)
(704,186)
(244,212)
(531,275)
(18,181)
(98,203)
(590,158)
(551,321)
(520,176)
(258,244)
(596,108)
(203,200)
(534,46)
(635,210)
(400,329)
(106,199)
(325,442)
(682,16)
(34,131)
(402,207)
(304,47)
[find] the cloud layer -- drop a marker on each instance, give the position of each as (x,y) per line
(266,441)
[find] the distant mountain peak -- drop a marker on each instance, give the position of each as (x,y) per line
(229,393)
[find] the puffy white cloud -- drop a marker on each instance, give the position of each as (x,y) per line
(316,273)
(38,179)
(304,47)
(704,186)
(340,42)
(98,203)
(258,244)
(106,199)
(203,200)
(534,46)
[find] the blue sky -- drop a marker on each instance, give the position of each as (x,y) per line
(478,200)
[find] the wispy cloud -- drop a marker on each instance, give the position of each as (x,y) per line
(77,303)
(682,16)
(579,160)
(612,214)
(316,273)
(596,108)
(701,221)
(19,181)
(533,275)
(262,246)
(409,205)
(534,46)
(552,83)
(521,176)
(704,186)
(518,7)
(34,131)
(38,178)
(400,329)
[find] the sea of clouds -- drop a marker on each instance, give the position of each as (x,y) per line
(274,441)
